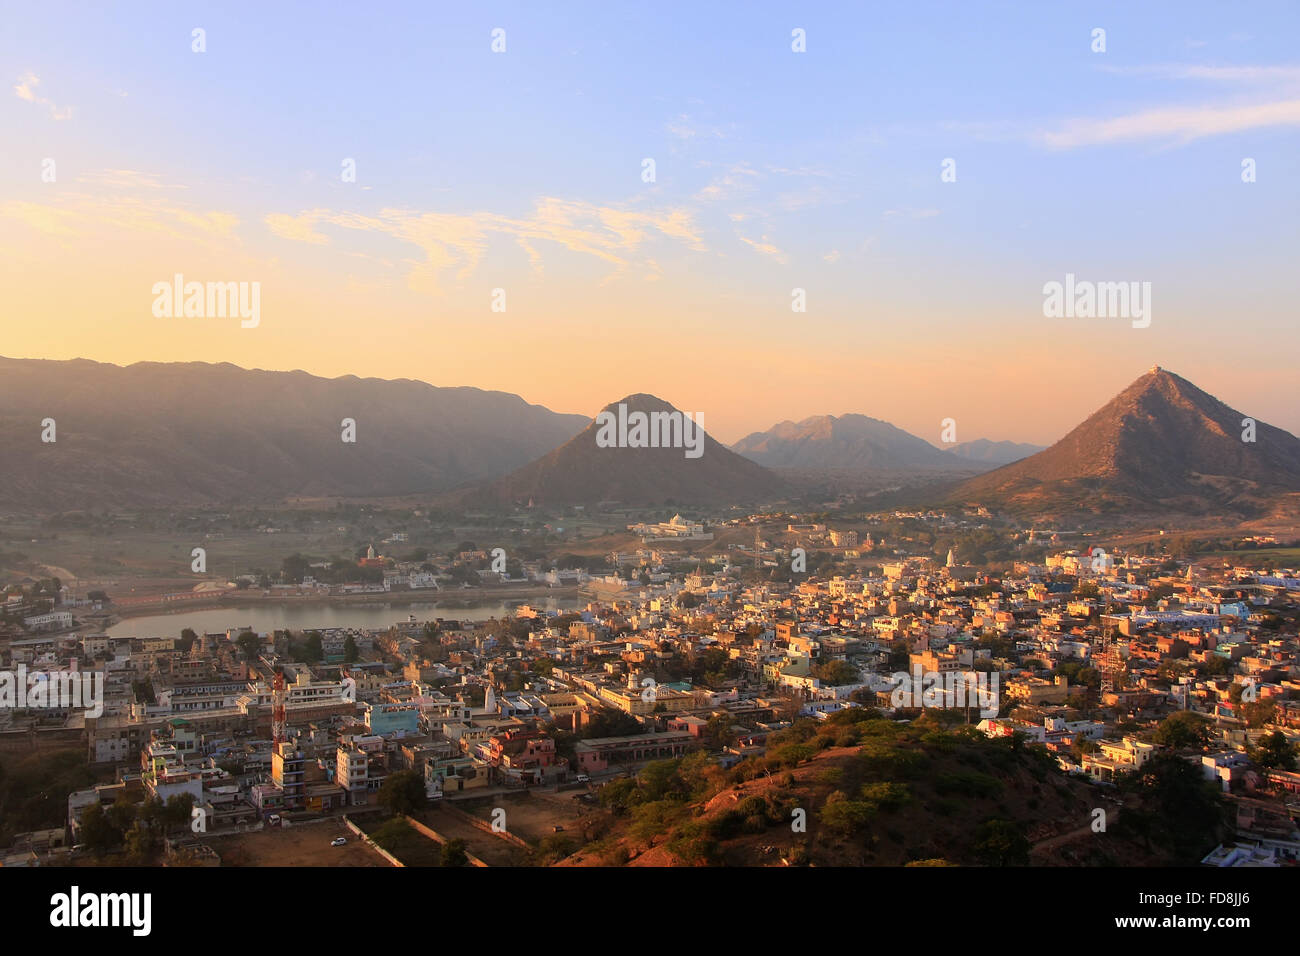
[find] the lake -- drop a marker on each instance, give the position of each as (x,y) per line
(297,617)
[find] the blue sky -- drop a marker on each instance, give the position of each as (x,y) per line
(774,170)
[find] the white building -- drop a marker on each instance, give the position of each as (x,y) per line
(54,621)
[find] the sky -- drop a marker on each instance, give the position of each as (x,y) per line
(130,157)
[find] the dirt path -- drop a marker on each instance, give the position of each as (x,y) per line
(1051,843)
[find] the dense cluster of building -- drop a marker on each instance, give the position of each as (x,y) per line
(1086,649)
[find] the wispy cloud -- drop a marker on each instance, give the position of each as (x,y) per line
(25,89)
(1269,96)
(125,203)
(1177,123)
(681,128)
(766,248)
(127,179)
(1217,74)
(910,213)
(737,182)
(79,214)
(459,241)
(686,127)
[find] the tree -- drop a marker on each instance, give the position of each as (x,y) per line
(403,792)
(1081,746)
(620,794)
(718,732)
(312,651)
(836,673)
(711,667)
(350,652)
(1000,843)
(844,815)
(1215,666)
(97,831)
(453,853)
(294,568)
(607,722)
(122,814)
(462,573)
(249,645)
(141,841)
(177,810)
(653,818)
(1184,810)
(1183,730)
(660,781)
(1274,752)
(396,836)
(700,775)
(1258,713)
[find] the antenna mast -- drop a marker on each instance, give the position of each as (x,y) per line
(277,709)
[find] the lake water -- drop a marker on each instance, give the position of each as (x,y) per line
(297,617)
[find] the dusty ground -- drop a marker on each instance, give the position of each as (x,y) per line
(534,815)
(492,850)
(296,846)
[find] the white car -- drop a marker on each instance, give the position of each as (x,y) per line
(341,841)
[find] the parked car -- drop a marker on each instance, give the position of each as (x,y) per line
(583,778)
(339,842)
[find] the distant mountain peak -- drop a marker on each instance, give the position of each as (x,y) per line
(840,442)
(586,469)
(1161,444)
(641,401)
(993,452)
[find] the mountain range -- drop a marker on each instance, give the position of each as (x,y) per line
(843,443)
(191,434)
(161,434)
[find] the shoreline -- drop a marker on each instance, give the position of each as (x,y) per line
(449,599)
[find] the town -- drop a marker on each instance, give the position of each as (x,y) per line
(514,738)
